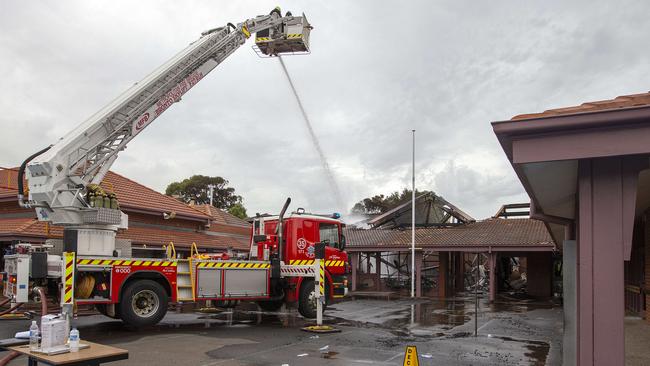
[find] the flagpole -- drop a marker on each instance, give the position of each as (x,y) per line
(413,272)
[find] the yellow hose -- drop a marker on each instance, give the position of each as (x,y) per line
(85,287)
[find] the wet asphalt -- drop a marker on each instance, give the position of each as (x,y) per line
(510,332)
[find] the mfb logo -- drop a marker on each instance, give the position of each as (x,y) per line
(142,122)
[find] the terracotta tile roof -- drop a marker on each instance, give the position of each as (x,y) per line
(131,195)
(8,179)
(134,195)
(624,101)
(14,226)
(28,227)
(156,236)
(490,232)
(221,216)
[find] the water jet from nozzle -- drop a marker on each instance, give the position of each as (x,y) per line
(321,155)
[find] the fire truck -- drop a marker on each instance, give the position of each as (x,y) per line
(64,189)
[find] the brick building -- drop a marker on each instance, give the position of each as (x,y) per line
(210,228)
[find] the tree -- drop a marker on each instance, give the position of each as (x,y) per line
(196,188)
(380,203)
(238,210)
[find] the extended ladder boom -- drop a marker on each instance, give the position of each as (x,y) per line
(58,177)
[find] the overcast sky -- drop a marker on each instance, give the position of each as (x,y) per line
(377,70)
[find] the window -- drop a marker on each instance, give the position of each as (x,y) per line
(329,232)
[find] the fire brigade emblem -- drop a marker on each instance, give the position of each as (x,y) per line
(301,244)
(311,252)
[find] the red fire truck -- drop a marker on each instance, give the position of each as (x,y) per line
(64,190)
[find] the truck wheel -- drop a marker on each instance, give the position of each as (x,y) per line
(270,305)
(144,303)
(307,300)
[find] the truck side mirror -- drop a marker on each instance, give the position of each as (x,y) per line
(342,242)
(319,249)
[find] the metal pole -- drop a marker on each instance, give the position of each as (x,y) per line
(413,273)
(320,290)
(476,298)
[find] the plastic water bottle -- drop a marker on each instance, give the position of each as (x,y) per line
(33,336)
(74,340)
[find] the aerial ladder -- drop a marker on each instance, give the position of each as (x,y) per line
(61,176)
(64,183)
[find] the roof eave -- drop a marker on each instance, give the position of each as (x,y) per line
(199,218)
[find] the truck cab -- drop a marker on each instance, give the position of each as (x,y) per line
(300,233)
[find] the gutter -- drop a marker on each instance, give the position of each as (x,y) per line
(206,218)
(562,122)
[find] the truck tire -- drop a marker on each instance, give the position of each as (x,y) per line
(307,299)
(143,303)
(271,305)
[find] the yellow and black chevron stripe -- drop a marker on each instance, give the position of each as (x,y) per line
(292,36)
(262,39)
(123,262)
(233,265)
(68,281)
(307,262)
(321,278)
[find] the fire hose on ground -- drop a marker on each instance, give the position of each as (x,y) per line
(11,309)
(41,293)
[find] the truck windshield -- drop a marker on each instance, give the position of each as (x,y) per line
(329,232)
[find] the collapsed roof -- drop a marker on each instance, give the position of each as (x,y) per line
(431,210)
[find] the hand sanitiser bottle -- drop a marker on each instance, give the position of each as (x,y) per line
(74,340)
(33,336)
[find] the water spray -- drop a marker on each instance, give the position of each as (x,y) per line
(326,167)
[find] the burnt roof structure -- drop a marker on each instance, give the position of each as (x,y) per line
(493,234)
(431,210)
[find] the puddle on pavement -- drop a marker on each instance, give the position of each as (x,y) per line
(537,351)
(242,318)
(445,314)
(329,354)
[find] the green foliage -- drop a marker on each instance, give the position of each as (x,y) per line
(196,188)
(238,210)
(380,203)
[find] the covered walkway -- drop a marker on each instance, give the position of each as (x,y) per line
(442,254)
(586,170)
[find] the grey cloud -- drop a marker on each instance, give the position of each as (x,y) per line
(377,70)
